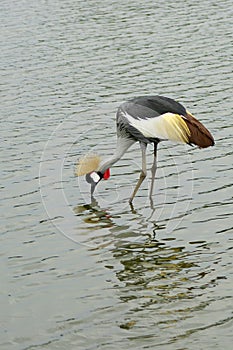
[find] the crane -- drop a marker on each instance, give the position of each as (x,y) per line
(146,119)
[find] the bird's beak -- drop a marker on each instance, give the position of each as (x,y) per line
(93,179)
(93,186)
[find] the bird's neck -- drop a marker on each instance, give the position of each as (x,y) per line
(122,145)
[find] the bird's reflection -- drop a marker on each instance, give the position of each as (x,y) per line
(146,230)
(97,213)
(154,274)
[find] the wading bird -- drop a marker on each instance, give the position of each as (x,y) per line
(147,119)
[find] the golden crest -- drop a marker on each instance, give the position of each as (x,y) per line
(87,164)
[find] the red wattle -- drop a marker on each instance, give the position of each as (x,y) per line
(106,174)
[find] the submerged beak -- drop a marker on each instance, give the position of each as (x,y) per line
(93,186)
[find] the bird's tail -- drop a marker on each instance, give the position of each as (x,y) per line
(198,134)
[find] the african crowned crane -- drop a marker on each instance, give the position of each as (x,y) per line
(147,119)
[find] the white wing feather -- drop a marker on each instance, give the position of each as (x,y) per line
(167,126)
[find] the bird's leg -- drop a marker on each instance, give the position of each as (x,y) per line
(143,171)
(153,170)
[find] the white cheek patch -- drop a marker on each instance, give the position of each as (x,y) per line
(95,177)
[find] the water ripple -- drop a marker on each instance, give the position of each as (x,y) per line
(77,274)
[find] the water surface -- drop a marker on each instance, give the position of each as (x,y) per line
(104,275)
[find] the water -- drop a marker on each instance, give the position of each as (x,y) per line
(83,275)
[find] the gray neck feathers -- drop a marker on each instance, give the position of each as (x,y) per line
(122,145)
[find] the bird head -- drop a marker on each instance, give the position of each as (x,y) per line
(95,177)
(89,166)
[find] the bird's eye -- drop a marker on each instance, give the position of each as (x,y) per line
(93,177)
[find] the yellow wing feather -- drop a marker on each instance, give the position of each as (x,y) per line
(176,128)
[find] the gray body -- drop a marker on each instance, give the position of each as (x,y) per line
(136,120)
(144,107)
